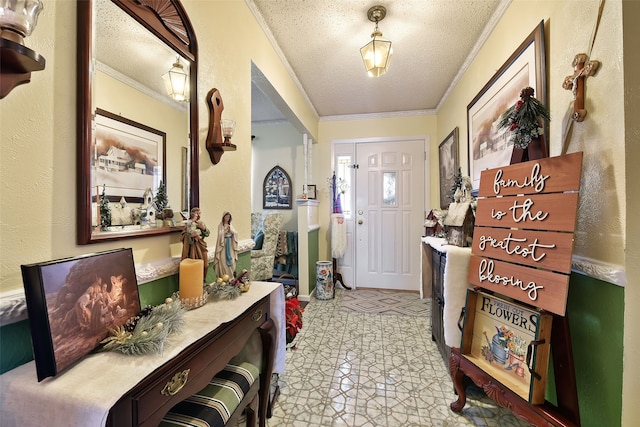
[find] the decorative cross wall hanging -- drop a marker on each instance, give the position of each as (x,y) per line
(576,83)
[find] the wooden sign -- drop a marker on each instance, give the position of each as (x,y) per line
(538,212)
(537,287)
(541,249)
(523,239)
(550,175)
(509,342)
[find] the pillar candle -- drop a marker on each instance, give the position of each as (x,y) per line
(191,278)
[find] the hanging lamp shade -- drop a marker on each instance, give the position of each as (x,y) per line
(377,53)
(176,82)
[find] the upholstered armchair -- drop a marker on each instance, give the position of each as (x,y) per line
(262,257)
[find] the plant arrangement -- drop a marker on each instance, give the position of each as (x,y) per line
(293,318)
(147,332)
(229,288)
(523,119)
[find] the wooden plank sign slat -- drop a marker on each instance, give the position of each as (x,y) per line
(536,287)
(542,249)
(549,175)
(555,212)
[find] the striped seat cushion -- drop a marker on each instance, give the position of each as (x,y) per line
(213,405)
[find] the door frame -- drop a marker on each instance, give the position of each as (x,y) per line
(427,187)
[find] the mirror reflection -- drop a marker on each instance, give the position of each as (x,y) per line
(139,155)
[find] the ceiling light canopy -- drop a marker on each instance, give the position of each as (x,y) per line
(377,53)
(176,82)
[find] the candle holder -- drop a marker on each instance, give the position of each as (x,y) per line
(18,19)
(192,303)
(228,128)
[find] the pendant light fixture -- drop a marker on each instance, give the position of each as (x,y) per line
(176,82)
(377,53)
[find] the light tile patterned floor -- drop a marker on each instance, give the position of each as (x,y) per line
(360,369)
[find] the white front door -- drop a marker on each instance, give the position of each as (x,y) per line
(388,214)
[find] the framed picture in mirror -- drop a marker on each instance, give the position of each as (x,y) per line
(127,171)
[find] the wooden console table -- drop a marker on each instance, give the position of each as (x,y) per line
(113,389)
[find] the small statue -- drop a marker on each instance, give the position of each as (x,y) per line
(193,244)
(226,255)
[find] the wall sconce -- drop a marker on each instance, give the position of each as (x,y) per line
(176,82)
(218,128)
(18,19)
(377,53)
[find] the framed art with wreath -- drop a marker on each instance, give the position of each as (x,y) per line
(488,144)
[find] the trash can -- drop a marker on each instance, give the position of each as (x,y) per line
(324,280)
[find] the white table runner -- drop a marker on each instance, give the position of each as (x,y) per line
(82,395)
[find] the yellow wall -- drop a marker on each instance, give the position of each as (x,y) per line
(602,219)
(38,136)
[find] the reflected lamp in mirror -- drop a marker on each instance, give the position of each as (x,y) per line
(176,82)
(377,53)
(228,127)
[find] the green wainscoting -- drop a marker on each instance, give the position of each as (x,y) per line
(596,321)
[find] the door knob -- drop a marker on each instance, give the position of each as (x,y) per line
(360,222)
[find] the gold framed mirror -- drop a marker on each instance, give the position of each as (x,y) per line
(132,135)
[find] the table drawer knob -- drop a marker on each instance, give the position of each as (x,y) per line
(257,315)
(176,383)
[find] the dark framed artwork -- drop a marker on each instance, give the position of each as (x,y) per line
(488,146)
(73,302)
(449,163)
(277,189)
(311,191)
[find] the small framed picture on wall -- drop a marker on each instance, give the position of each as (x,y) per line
(311,191)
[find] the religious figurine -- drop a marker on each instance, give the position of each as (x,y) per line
(226,255)
(193,244)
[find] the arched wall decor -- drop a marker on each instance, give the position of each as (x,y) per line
(277,189)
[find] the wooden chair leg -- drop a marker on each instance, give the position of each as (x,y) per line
(251,413)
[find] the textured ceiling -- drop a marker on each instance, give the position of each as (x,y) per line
(321,39)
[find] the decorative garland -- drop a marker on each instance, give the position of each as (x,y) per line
(148,331)
(227,289)
(523,119)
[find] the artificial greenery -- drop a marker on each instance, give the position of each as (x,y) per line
(147,332)
(523,119)
(229,288)
(105,212)
(161,200)
(457,183)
